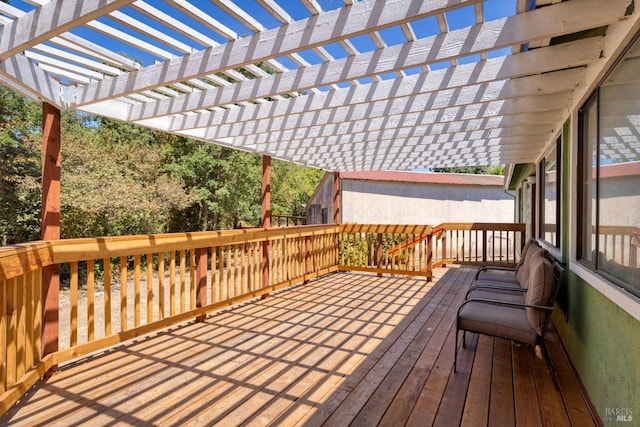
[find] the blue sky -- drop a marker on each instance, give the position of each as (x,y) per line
(460,18)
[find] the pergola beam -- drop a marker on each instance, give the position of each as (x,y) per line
(32,79)
(49,20)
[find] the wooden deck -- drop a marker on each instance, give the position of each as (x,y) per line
(344,349)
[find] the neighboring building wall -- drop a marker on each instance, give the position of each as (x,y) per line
(394,202)
(375,202)
(320,207)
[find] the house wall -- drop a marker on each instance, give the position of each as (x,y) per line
(598,323)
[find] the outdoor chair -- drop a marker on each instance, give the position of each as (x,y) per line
(507,315)
(505,274)
(513,279)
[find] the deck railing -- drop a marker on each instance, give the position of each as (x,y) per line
(287,220)
(391,249)
(114,289)
(478,243)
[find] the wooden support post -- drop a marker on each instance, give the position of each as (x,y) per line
(50,225)
(201,280)
(266,220)
(336,198)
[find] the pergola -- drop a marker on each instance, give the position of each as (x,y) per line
(363,85)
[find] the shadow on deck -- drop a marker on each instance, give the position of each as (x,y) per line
(344,349)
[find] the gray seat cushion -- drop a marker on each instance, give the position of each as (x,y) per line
(501,321)
(493,283)
(498,276)
(498,295)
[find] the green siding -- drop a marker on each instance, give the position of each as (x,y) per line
(603,341)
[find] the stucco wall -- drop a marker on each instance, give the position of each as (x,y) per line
(382,202)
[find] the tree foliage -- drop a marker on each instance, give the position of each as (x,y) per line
(292,185)
(20,198)
(224,185)
(119,179)
(111,180)
(478,170)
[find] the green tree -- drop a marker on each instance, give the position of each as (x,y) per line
(224,184)
(20,137)
(477,170)
(112,180)
(292,185)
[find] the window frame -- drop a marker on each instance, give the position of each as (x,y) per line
(582,113)
(593,265)
(557,145)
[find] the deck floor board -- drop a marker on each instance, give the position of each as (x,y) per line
(346,349)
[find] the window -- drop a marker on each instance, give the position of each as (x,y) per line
(549,193)
(609,176)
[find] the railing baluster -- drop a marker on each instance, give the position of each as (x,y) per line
(161,289)
(136,290)
(30,350)
(172,283)
(12,328)
(123,294)
(192,279)
(21,326)
(4,335)
(237,271)
(106,284)
(214,272)
(37,318)
(74,305)
(229,283)
(183,280)
(91,323)
(221,273)
(149,288)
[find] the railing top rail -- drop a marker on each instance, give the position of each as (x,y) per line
(618,230)
(489,226)
(23,258)
(386,228)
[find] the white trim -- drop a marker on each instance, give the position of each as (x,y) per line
(616,294)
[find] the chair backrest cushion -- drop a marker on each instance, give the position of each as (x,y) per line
(523,254)
(540,285)
(523,272)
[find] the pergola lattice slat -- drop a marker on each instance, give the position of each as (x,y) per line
(365,64)
(359,86)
